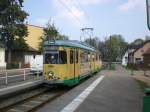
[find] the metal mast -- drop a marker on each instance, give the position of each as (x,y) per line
(86,32)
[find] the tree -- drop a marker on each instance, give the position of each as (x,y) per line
(12,26)
(93,42)
(137,42)
(62,37)
(112,48)
(20,43)
(116,47)
(51,33)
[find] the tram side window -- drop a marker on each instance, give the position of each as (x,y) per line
(97,57)
(71,57)
(93,57)
(76,56)
(62,57)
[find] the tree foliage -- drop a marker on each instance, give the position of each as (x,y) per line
(112,48)
(116,46)
(137,42)
(51,33)
(12,19)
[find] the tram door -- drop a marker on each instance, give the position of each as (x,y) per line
(74,62)
(72,67)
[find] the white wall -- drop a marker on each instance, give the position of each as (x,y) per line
(2,58)
(125,59)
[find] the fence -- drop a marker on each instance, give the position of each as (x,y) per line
(23,76)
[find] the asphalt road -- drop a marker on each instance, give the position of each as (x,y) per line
(117,92)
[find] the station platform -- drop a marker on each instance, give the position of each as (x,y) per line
(108,91)
(18,86)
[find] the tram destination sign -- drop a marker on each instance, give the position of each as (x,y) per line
(47,48)
(148,13)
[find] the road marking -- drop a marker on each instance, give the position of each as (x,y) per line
(24,105)
(34,101)
(21,85)
(16,110)
(71,107)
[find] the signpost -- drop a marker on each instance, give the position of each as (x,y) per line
(146,99)
(148,13)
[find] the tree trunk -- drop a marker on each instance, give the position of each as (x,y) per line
(9,56)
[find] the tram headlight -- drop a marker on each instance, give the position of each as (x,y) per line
(50,74)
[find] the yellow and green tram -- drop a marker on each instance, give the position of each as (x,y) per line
(67,62)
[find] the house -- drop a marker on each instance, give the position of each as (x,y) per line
(146,57)
(33,40)
(125,59)
(21,58)
(136,55)
(2,57)
(128,57)
(34,34)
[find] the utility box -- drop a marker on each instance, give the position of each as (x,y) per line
(146,101)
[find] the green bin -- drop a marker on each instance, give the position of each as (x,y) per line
(146,101)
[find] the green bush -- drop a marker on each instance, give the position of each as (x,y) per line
(12,66)
(112,67)
(132,66)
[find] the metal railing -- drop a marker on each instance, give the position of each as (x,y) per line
(5,77)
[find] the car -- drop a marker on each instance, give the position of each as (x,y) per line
(36,64)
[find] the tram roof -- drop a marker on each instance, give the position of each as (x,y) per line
(70,43)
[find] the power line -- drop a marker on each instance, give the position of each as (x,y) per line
(79,5)
(69,10)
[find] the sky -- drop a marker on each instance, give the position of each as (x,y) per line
(107,17)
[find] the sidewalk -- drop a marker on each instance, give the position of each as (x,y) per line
(139,75)
(117,92)
(17,86)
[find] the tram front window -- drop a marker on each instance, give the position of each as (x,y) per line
(51,58)
(56,58)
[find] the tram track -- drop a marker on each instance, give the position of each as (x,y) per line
(32,100)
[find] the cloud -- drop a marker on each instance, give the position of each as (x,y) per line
(72,10)
(131,4)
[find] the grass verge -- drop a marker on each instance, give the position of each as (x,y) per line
(112,67)
(142,85)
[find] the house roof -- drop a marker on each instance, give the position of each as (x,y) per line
(134,46)
(142,45)
(29,49)
(32,49)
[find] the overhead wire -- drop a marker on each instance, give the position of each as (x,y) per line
(70,11)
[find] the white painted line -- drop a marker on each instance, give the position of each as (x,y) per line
(16,110)
(71,107)
(34,101)
(21,85)
(24,105)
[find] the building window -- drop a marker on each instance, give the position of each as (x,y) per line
(137,59)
